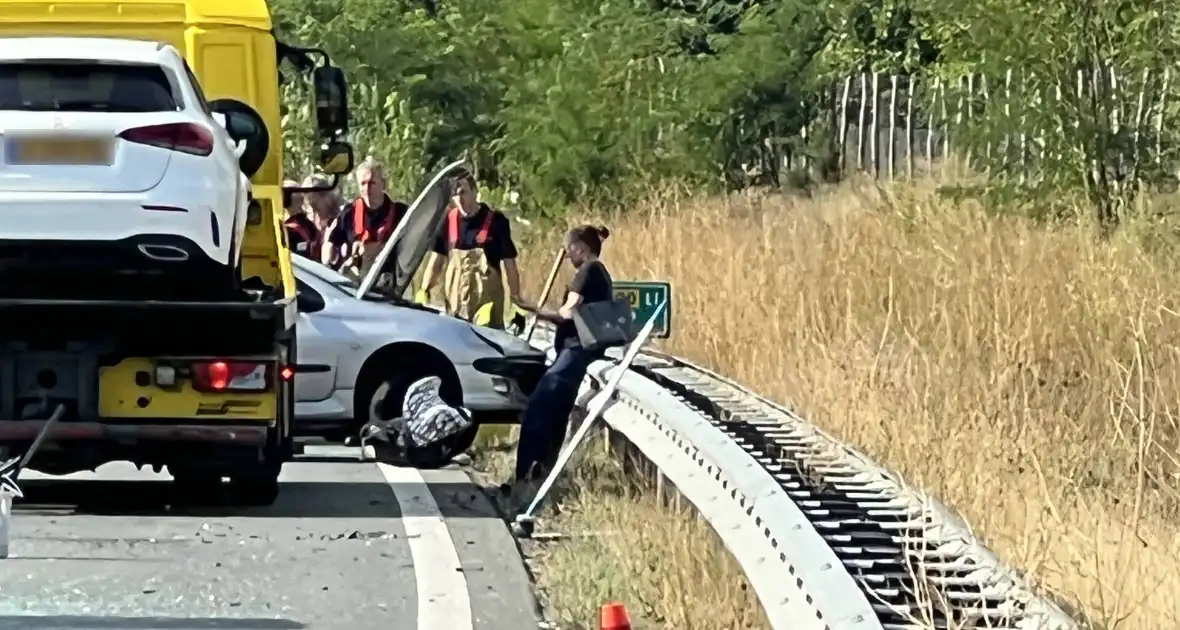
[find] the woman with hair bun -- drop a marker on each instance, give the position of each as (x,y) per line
(546,418)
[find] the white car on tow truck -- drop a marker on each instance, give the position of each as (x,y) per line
(351,341)
(114,171)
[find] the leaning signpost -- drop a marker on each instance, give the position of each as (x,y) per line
(646,298)
(10,471)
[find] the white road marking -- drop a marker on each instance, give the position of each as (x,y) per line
(444,602)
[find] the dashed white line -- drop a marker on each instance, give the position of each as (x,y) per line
(444,602)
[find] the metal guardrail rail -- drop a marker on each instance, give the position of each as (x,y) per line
(827,538)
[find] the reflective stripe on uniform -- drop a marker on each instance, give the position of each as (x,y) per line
(481,238)
(358,222)
(309,242)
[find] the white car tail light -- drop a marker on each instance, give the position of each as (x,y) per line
(187,138)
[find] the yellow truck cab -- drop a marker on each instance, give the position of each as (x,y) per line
(203,388)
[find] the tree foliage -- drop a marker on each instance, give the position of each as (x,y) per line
(566,100)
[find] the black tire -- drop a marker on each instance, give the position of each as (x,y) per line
(380,392)
(254,491)
(196,486)
(257,485)
(384,400)
(439,455)
(466,440)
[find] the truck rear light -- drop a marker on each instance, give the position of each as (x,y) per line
(231,376)
(287,373)
(189,138)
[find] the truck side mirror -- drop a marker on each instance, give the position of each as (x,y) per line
(330,93)
(246,127)
(336,158)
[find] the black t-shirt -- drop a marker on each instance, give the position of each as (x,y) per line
(593,282)
(377,222)
(497,247)
(302,235)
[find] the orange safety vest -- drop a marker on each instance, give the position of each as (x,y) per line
(481,238)
(358,222)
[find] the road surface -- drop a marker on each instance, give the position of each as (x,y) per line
(348,545)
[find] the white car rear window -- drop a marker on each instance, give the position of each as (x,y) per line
(69,86)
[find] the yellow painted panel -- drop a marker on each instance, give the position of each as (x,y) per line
(120,397)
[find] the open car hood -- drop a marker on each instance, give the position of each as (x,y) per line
(415,232)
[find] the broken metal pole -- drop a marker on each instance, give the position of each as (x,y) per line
(9,489)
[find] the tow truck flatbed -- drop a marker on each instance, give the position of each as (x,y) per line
(193,372)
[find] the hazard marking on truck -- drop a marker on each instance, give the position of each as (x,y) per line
(227,407)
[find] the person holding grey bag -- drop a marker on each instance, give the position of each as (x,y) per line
(546,417)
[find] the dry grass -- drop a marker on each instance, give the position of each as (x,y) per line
(622,539)
(1028,377)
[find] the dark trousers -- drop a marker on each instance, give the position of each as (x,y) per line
(546,418)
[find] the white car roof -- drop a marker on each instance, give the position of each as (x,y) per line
(114,49)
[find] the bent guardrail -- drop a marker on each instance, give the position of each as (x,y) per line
(826,537)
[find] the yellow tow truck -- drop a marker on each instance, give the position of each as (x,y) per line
(202,388)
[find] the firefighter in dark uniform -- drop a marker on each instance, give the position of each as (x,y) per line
(365,224)
(473,254)
(303,237)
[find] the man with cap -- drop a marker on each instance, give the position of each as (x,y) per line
(303,236)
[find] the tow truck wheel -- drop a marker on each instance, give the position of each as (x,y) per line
(194,486)
(254,491)
(258,484)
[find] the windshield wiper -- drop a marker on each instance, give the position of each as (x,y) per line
(374,295)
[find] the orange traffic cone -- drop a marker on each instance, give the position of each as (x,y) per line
(613,616)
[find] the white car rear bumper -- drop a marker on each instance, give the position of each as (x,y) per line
(95,218)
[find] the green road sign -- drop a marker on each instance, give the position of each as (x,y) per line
(645,298)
